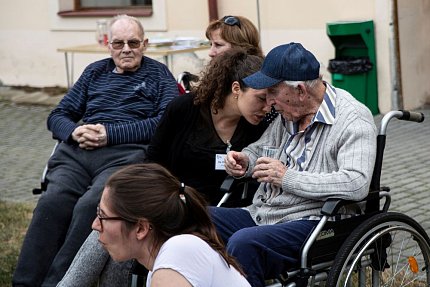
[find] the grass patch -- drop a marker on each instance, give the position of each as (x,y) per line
(14,219)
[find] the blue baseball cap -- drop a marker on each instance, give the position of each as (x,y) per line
(288,62)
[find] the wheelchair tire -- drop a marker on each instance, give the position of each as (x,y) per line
(388,249)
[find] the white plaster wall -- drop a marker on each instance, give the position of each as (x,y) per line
(414,18)
(382,23)
(29,41)
(30,33)
(283,21)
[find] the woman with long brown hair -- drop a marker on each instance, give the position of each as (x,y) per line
(147,214)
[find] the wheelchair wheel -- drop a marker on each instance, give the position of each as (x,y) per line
(388,249)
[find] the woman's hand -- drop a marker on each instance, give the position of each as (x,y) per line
(236,163)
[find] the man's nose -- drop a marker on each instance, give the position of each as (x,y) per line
(126,48)
(270,101)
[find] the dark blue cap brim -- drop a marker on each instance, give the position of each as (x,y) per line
(260,81)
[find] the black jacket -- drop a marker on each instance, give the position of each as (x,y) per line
(186,143)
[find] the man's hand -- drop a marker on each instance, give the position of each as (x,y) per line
(90,136)
(269,170)
(236,163)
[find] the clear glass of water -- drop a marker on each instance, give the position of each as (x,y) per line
(269,151)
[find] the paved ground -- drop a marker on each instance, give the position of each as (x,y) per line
(25,145)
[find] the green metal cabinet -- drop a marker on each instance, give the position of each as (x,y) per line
(355,40)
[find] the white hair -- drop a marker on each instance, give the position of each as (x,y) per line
(310,84)
(129,18)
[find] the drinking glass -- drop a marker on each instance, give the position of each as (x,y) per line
(269,151)
(102,32)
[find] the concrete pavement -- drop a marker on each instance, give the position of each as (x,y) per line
(25,145)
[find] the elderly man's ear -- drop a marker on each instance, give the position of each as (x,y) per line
(145,44)
(301,89)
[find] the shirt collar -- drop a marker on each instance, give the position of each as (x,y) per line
(325,114)
(327,111)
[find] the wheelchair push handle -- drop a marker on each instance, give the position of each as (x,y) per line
(412,116)
(401,115)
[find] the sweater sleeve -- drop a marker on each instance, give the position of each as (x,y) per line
(63,119)
(349,154)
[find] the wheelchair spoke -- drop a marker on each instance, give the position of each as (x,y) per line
(391,251)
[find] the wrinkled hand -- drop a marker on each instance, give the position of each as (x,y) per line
(236,163)
(269,170)
(90,136)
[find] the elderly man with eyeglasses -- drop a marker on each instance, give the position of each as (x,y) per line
(103,123)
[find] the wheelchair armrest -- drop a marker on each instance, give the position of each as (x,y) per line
(226,186)
(238,191)
(332,205)
(230,183)
(43,180)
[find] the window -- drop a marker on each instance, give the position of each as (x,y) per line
(104,8)
(70,19)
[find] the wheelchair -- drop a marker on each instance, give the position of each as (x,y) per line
(375,248)
(185,80)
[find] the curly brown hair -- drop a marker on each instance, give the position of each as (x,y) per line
(245,36)
(217,78)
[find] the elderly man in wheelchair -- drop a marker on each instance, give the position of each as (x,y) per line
(326,144)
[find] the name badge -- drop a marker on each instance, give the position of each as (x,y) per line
(219,161)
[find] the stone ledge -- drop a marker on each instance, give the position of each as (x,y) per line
(24,98)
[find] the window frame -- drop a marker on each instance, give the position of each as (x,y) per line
(72,8)
(157,22)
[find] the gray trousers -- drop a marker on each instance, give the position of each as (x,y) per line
(64,213)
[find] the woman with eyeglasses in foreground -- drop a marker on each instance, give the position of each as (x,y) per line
(148,214)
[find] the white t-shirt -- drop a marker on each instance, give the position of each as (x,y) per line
(194,259)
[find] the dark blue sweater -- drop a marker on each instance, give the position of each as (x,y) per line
(129,105)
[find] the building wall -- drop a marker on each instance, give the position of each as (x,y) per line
(415,51)
(31,32)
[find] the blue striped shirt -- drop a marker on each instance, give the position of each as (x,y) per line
(129,105)
(300,144)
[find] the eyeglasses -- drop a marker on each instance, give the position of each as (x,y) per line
(133,44)
(231,21)
(101,218)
